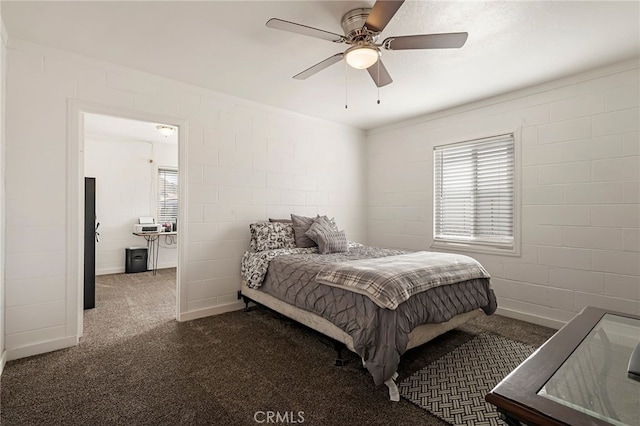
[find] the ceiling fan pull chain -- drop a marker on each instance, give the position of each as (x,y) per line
(346,87)
(378,84)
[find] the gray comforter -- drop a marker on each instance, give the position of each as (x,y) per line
(380,335)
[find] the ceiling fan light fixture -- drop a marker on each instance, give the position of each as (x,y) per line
(165,130)
(362,56)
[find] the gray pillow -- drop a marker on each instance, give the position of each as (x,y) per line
(301,225)
(321,225)
(332,242)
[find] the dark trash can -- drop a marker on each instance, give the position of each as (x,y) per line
(135,260)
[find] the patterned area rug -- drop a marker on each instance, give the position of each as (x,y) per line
(453,387)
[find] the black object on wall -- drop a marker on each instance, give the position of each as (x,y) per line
(90,236)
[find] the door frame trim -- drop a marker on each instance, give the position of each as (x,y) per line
(75,205)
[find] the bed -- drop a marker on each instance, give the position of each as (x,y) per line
(378,302)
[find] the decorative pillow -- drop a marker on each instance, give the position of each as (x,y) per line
(321,225)
(301,225)
(332,221)
(271,235)
(332,242)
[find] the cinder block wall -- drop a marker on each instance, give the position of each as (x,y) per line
(246,162)
(580,189)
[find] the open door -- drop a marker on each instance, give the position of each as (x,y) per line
(90,238)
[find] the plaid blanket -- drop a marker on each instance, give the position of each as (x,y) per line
(389,281)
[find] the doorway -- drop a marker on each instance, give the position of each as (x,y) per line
(116,128)
(135,167)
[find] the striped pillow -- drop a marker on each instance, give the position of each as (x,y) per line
(332,242)
(321,225)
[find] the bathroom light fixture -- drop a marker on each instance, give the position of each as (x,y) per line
(362,56)
(165,130)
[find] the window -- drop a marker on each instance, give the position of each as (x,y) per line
(167,195)
(474,195)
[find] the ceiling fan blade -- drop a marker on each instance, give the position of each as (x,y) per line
(292,27)
(426,41)
(381,14)
(319,66)
(379,74)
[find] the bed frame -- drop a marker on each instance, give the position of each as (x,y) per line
(419,335)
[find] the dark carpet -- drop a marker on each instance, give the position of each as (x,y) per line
(136,365)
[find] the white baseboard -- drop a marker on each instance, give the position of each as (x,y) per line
(120,270)
(3,361)
(67,342)
(109,271)
(216,310)
(167,265)
(41,348)
(534,319)
(236,306)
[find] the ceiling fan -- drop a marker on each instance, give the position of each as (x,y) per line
(362,27)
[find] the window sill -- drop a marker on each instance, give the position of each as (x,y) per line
(477,248)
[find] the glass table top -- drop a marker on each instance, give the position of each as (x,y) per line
(594,378)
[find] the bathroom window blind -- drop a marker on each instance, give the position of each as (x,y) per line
(167,195)
(474,192)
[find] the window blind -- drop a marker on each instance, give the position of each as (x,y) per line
(167,195)
(474,191)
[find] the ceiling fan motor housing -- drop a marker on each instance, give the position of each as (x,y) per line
(353,26)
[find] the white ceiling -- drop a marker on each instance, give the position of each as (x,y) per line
(125,129)
(225,46)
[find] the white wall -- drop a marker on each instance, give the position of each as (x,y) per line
(126,176)
(246,162)
(580,189)
(3,67)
